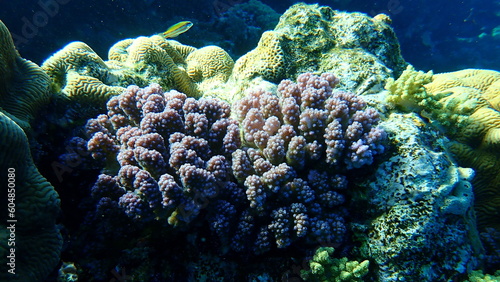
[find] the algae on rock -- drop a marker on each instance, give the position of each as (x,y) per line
(421,204)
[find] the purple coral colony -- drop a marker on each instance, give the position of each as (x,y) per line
(272,174)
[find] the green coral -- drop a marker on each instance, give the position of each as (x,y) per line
(23,85)
(479,276)
(323,267)
(34,238)
(408,91)
(38,241)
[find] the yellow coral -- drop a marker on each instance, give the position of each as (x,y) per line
(164,54)
(76,56)
(479,276)
(408,91)
(88,89)
(267,60)
(183,50)
(474,78)
(475,96)
(324,267)
(492,94)
(118,52)
(209,66)
(382,18)
(81,74)
(148,50)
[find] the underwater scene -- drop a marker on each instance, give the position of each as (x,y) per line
(247,140)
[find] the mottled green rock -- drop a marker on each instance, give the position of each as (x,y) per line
(362,51)
(421,207)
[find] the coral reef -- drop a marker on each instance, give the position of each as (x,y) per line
(422,207)
(167,153)
(361,50)
(324,267)
(180,176)
(168,157)
(24,87)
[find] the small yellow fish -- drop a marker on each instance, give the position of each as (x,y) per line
(177,29)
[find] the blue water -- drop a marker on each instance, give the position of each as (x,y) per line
(437,35)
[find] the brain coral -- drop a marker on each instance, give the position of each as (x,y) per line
(361,50)
(24,87)
(165,153)
(157,60)
(209,66)
(78,73)
(38,241)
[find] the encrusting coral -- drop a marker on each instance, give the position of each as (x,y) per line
(421,205)
(361,50)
